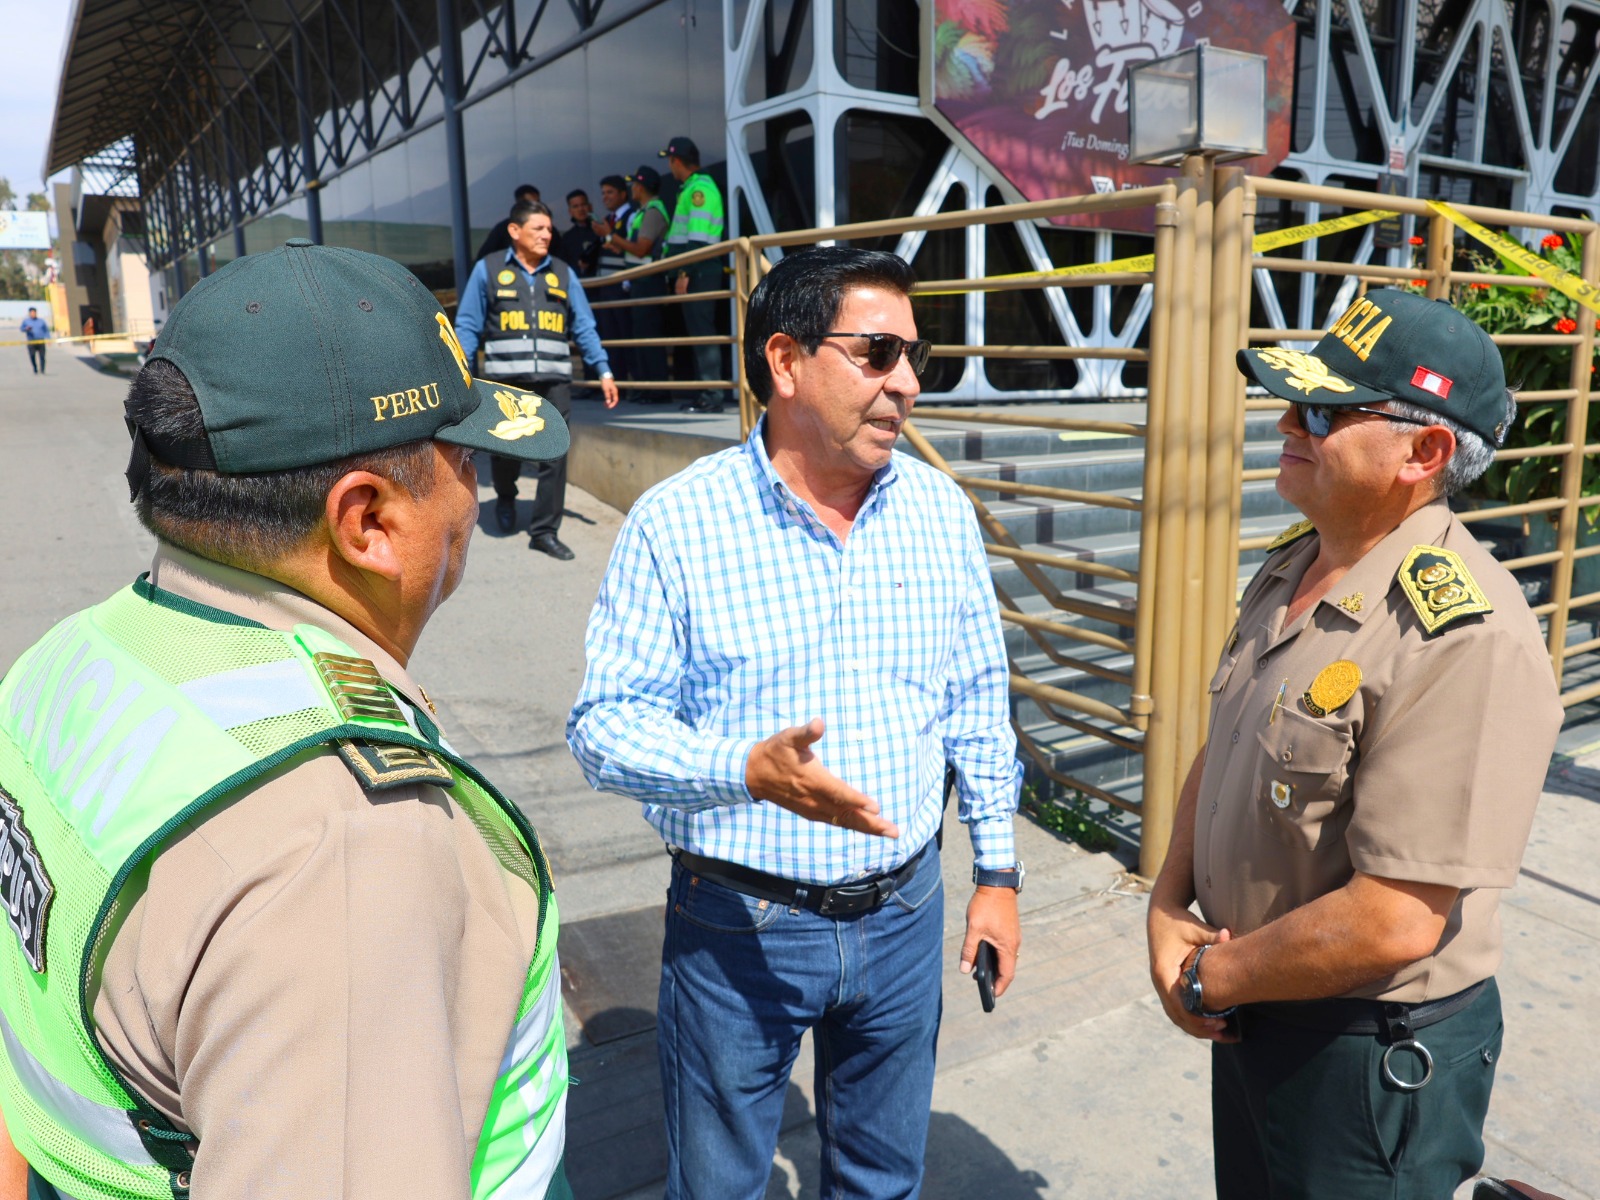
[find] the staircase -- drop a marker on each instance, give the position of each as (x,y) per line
(1092,462)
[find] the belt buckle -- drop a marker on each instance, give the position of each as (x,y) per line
(845,899)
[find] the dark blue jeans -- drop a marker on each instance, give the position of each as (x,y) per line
(742,980)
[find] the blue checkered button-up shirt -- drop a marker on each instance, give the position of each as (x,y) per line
(729,612)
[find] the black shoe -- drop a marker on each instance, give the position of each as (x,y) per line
(701,406)
(549,543)
(505,514)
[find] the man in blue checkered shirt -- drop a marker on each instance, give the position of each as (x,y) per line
(795,639)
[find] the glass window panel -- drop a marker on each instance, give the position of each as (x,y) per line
(1307,60)
(885,164)
(785,53)
(1021,318)
(1576,175)
(1502,135)
(1530,28)
(782,153)
(1575,57)
(490,131)
(1454,131)
(1352,130)
(1438,23)
(942,319)
(877,45)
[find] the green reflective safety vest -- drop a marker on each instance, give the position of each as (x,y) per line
(635,221)
(128,720)
(697,218)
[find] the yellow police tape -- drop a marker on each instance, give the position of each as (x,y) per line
(1274,239)
(1564,281)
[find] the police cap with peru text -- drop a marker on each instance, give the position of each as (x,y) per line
(308,354)
(681,147)
(1394,345)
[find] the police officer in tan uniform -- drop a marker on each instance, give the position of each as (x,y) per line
(1381,723)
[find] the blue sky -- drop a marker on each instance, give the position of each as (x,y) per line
(30,66)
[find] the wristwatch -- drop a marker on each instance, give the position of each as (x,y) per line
(1190,991)
(1010,878)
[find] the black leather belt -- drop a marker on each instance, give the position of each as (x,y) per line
(839,900)
(1396,1022)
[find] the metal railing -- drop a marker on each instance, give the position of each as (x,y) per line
(1158,637)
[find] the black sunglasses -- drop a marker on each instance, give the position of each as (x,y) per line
(1317,419)
(884,349)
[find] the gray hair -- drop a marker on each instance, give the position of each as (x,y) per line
(1474,453)
(244,521)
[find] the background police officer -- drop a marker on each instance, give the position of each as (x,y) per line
(640,242)
(524,321)
(613,323)
(1381,723)
(697,220)
(308,962)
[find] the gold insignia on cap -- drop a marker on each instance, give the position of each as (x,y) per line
(1306,372)
(1292,534)
(447,335)
(1353,602)
(1332,688)
(1440,588)
(506,278)
(521,409)
(1282,793)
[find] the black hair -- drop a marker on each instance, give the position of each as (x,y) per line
(525,189)
(802,295)
(615,181)
(523,209)
(576,192)
(248,521)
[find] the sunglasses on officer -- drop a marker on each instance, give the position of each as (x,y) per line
(885,349)
(1317,419)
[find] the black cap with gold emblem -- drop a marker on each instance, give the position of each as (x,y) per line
(308,354)
(1393,345)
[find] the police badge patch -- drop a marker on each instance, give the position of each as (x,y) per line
(25,889)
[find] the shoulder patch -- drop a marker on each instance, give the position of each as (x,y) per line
(1440,587)
(1292,534)
(379,765)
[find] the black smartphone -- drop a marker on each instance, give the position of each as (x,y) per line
(985,966)
(1496,1189)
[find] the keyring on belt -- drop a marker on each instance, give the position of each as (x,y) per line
(1421,1052)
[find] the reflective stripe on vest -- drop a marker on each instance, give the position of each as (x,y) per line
(697,219)
(635,222)
(527,332)
(92,784)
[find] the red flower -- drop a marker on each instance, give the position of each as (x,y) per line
(1566,325)
(1419,283)
(1552,241)
(1418,241)
(1481,285)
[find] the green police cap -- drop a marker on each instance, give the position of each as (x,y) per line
(1394,345)
(308,354)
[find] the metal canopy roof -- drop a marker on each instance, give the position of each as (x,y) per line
(125,59)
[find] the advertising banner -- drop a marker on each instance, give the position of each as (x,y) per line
(1038,89)
(24,230)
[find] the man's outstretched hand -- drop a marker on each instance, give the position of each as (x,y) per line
(783,769)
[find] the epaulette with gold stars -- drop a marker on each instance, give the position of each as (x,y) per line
(1440,587)
(1292,534)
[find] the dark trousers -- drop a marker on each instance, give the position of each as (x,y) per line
(613,323)
(36,357)
(649,362)
(1302,1114)
(700,320)
(550,492)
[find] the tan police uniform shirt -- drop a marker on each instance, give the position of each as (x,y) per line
(1428,773)
(317,980)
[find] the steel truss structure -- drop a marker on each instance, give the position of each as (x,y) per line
(227,109)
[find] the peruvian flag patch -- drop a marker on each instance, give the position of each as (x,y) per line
(1431,381)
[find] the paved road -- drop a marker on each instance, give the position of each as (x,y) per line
(1075,1086)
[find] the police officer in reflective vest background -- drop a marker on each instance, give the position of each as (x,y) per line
(525,320)
(270,935)
(640,242)
(697,220)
